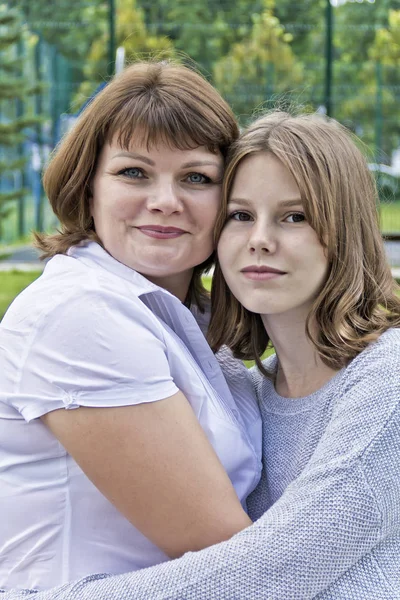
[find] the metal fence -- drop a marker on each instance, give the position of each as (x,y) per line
(61,73)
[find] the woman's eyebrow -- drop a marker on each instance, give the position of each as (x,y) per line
(202,163)
(136,156)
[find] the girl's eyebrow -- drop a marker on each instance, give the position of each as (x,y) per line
(283,203)
(241,201)
(294,202)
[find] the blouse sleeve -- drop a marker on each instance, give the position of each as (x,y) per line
(91,351)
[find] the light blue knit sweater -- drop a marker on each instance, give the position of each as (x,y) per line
(331,492)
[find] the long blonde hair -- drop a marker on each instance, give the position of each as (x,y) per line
(357,302)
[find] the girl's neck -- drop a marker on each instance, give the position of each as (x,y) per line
(300,368)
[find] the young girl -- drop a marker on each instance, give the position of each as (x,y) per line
(302,265)
(302,254)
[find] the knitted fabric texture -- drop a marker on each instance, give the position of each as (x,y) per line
(331,492)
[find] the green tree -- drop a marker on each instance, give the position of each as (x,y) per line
(207,29)
(262,68)
(16,115)
(305,22)
(386,46)
(69,26)
(131,33)
(369,96)
(202,30)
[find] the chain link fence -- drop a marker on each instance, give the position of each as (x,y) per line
(57,50)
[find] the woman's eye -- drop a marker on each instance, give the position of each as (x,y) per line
(295,218)
(132,173)
(239,216)
(197,178)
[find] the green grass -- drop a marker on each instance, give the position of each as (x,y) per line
(390,217)
(207,283)
(11,284)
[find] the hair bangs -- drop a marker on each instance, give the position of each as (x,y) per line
(151,121)
(299,151)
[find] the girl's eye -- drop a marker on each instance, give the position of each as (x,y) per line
(295,218)
(239,216)
(132,173)
(197,178)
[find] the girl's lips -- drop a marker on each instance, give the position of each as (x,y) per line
(262,275)
(161,233)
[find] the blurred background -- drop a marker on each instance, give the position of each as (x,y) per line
(337,57)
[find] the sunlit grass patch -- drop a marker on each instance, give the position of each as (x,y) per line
(207,282)
(390,217)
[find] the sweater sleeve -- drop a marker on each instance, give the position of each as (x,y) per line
(344,503)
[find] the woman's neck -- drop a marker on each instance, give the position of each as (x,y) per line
(300,368)
(177,284)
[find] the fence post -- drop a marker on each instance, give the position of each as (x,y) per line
(378,113)
(111,37)
(38,186)
(20,110)
(328,58)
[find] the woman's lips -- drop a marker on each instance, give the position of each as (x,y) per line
(161,233)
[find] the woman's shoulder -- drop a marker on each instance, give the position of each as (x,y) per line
(71,299)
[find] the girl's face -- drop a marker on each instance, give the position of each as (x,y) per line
(154,209)
(270,256)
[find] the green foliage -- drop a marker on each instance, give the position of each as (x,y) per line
(17,91)
(202,30)
(390,217)
(68,25)
(131,33)
(259,53)
(260,67)
(386,47)
(367,61)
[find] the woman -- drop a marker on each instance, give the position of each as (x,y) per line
(301,251)
(121,443)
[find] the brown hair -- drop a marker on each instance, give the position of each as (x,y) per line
(153,101)
(357,302)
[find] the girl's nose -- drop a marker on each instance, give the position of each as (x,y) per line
(261,239)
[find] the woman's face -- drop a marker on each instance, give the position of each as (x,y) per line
(270,256)
(154,209)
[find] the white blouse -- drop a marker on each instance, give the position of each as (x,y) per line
(92,332)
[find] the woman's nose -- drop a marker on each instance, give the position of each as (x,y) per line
(165,199)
